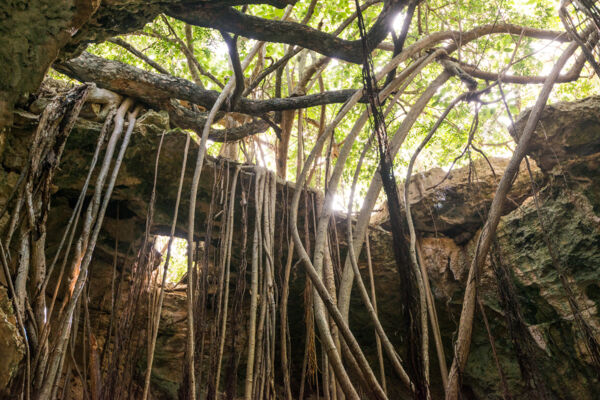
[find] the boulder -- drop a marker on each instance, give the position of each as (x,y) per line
(573,229)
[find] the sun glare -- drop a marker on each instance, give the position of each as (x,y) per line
(398,21)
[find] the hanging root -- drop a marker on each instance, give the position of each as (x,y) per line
(48,347)
(30,214)
(381,336)
(526,350)
(87,242)
(414,299)
(156,312)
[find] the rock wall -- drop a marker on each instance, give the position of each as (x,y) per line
(12,347)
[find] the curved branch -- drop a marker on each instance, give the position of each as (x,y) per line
(179,116)
(234,57)
(231,20)
(463,38)
(188,119)
(227,3)
(138,54)
(293,51)
(570,76)
(188,51)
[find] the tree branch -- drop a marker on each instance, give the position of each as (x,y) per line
(188,50)
(462,38)
(138,54)
(189,119)
(234,57)
(155,89)
(570,76)
(231,20)
(189,43)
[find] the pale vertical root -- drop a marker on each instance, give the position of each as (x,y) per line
(203,275)
(220,186)
(380,333)
(403,79)
(191,373)
(258,189)
(488,231)
(14,219)
(325,375)
(34,189)
(22,274)
(158,308)
(326,212)
(96,212)
(323,220)
(505,392)
(420,363)
(257,371)
(259,366)
(271,282)
(433,319)
(228,242)
(327,343)
(192,214)
(319,287)
(329,280)
(74,219)
(20,323)
(40,288)
(374,301)
(284,321)
(64,325)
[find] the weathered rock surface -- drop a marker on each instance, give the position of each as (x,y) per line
(573,230)
(456,203)
(568,133)
(12,348)
(35,32)
(566,147)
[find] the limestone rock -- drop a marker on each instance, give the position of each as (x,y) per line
(567,132)
(447,266)
(457,206)
(573,229)
(12,348)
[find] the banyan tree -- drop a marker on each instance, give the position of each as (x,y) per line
(281,199)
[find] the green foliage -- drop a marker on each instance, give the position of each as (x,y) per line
(511,54)
(178,258)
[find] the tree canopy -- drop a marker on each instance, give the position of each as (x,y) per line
(309,61)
